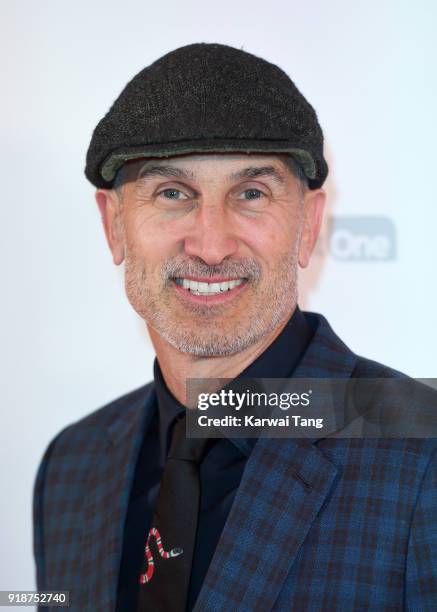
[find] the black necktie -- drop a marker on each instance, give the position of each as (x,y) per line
(169,548)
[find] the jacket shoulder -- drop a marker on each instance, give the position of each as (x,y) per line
(94,426)
(105,414)
(368,368)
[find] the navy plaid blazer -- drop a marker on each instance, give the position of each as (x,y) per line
(317,524)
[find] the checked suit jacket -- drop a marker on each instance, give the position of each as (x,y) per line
(317,524)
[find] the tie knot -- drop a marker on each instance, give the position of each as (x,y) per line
(186,449)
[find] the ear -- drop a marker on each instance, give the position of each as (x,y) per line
(110,211)
(314,204)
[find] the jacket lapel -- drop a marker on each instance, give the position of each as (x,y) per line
(283,488)
(108,487)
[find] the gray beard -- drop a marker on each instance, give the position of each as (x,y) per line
(206,335)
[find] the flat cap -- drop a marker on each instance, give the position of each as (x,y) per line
(207,98)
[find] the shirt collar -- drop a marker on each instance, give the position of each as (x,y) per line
(279,360)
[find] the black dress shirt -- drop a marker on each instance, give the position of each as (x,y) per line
(220,472)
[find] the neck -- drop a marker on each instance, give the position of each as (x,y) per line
(177,367)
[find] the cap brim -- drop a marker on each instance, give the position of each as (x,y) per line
(116,159)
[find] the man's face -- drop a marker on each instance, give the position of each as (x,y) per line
(211,245)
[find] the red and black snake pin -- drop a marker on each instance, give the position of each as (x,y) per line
(174,552)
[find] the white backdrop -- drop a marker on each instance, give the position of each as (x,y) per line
(70,341)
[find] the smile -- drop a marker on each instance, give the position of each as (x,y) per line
(205,288)
(200,292)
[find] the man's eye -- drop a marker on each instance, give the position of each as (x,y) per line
(172,194)
(252,194)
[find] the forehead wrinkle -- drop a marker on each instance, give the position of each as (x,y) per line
(152,170)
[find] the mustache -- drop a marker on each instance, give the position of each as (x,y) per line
(243,268)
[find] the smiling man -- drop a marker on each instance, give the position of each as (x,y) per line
(208,171)
(211,245)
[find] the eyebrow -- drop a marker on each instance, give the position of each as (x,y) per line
(256,171)
(148,171)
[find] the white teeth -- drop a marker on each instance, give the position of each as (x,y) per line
(202,288)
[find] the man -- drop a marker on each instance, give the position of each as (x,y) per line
(209,170)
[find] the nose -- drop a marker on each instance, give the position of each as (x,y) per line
(211,238)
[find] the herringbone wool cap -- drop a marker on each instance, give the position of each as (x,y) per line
(207,98)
